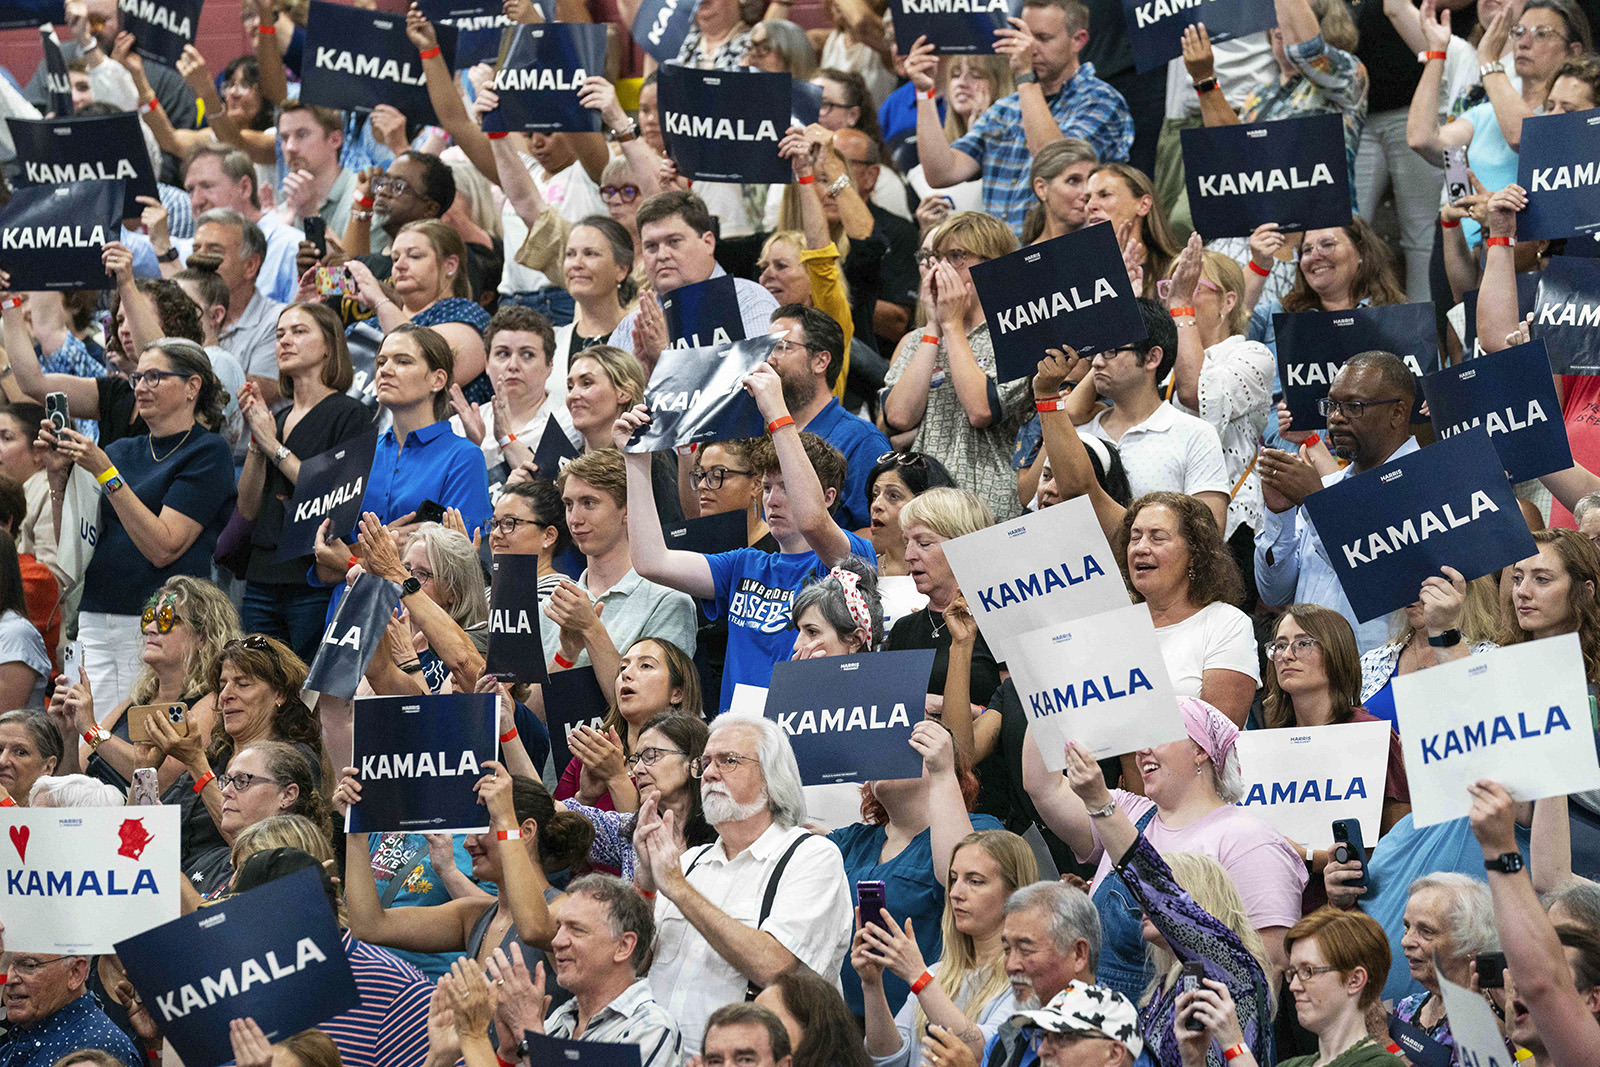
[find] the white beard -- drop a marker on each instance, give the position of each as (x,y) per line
(1028,1001)
(719,808)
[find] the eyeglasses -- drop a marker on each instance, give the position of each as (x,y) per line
(507,525)
(421,574)
(785,346)
(163,613)
(759,48)
(152,378)
(725,761)
(243,780)
(828,105)
(713,477)
(391,186)
(1302,646)
(1539,33)
(1305,972)
(1349,409)
(1164,287)
(956,257)
(626,193)
(647,757)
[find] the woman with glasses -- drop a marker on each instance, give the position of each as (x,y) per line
(264,779)
(967,85)
(942,385)
(530,520)
(665,768)
(779,46)
(1337,964)
(1440,609)
(894,480)
(168,492)
(314,373)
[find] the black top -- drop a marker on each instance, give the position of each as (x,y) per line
(1000,791)
(917,631)
(335,419)
(1381,49)
(116,416)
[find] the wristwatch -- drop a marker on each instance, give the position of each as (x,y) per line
(281,454)
(409,586)
(1205,85)
(1027,77)
(839,185)
(1449,639)
(113,483)
(1505,863)
(623,136)
(1497,67)
(1105,812)
(169,255)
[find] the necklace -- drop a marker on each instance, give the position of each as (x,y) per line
(936,627)
(181,440)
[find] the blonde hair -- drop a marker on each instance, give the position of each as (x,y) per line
(1208,883)
(206,610)
(995,69)
(1480,614)
(1224,272)
(979,233)
(949,513)
(791,227)
(445,242)
(479,194)
(622,369)
(287,831)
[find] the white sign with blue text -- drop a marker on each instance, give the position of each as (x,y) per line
(78,880)
(1100,680)
(1473,1027)
(1518,715)
(1301,779)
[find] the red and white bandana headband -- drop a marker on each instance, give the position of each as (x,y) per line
(850,582)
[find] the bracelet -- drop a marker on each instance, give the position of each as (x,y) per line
(357,213)
(106,475)
(1506,241)
(151,106)
(270,31)
(1229,1054)
(10,302)
(929,95)
(430,53)
(1179,313)
(352,562)
(1058,404)
(205,780)
(779,423)
(929,339)
(7,801)
(921,983)
(1313,441)
(1423,57)
(1453,224)
(364,202)
(805,179)
(411,667)
(509,736)
(508,835)
(1265,272)
(95,736)
(563,662)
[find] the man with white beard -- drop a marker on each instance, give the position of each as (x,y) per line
(766,895)
(1051,937)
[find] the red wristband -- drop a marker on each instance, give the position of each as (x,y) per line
(270,31)
(1432,55)
(1265,272)
(1453,224)
(1313,441)
(805,179)
(430,53)
(929,95)
(508,835)
(352,563)
(1179,313)
(929,339)
(497,136)
(153,1055)
(509,736)
(779,423)
(205,780)
(501,1062)
(921,983)
(1058,404)
(563,662)
(1507,241)
(511,437)
(364,203)
(153,105)
(1229,1054)
(1392,1049)
(8,802)
(9,302)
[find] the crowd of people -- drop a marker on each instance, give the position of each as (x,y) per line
(480,302)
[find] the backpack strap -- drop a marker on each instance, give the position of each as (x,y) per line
(771,894)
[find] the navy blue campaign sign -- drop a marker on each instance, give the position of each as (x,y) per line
(704,313)
(805,103)
(1071,290)
(1389,528)
(849,718)
(572,698)
(418,758)
(1155,27)
(515,652)
(352,637)
(58,84)
(555,450)
(100,148)
(725,125)
(331,485)
(160,28)
(1566,314)
(538,82)
(1509,393)
(477,38)
(273,953)
(543,1049)
(1559,166)
(356,60)
(1527,293)
(20,14)
(1313,345)
(956,27)
(51,236)
(695,396)
(1292,172)
(661,25)
(709,534)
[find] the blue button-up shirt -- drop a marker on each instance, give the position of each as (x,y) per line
(1084,107)
(435,465)
(1292,565)
(862,443)
(79,1025)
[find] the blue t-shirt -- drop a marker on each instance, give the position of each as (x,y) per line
(910,890)
(406,856)
(755,589)
(862,443)
(194,476)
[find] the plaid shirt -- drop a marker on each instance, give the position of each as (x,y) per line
(1084,107)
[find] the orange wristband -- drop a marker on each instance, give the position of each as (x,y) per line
(430,53)
(153,106)
(8,802)
(929,95)
(779,423)
(929,339)
(1313,441)
(921,983)
(1233,1053)
(1179,313)
(1432,55)
(205,780)
(508,835)
(1058,404)
(1507,241)
(806,179)
(1263,272)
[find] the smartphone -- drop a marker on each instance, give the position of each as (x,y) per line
(1456,179)
(139,719)
(1347,847)
(145,790)
(335,281)
(1491,970)
(72,661)
(55,409)
(1188,981)
(430,511)
(874,902)
(316,231)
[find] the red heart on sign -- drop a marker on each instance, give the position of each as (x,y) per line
(19,838)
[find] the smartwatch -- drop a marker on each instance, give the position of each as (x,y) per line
(1505,863)
(1205,85)
(409,586)
(169,255)
(112,484)
(1448,639)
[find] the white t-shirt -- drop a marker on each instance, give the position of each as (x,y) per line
(20,643)
(530,432)
(1171,452)
(967,196)
(572,193)
(1218,636)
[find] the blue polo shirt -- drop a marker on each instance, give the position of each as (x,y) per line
(435,465)
(862,443)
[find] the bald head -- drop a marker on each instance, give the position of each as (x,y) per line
(861,153)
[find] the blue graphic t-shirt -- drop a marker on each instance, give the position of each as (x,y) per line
(755,590)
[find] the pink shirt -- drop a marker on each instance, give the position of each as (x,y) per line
(1269,875)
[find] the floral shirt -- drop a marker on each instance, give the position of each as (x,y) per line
(1330,80)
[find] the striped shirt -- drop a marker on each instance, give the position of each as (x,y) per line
(390,1027)
(633,1018)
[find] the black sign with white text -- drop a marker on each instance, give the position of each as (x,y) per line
(515,653)
(849,718)
(1511,395)
(955,27)
(539,81)
(57,82)
(357,59)
(1527,294)
(352,636)
(708,534)
(555,450)
(160,28)
(28,14)
(572,698)
(705,313)
(661,25)
(1559,166)
(1155,27)
(725,125)
(418,758)
(331,485)
(100,148)
(51,236)
(1313,345)
(1292,172)
(1566,314)
(1072,290)
(695,396)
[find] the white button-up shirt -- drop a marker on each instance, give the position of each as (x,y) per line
(811,916)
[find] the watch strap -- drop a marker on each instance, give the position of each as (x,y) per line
(1027,77)
(1448,639)
(409,586)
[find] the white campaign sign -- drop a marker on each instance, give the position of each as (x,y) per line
(1301,780)
(899,596)
(1100,680)
(78,880)
(1042,569)
(1472,1025)
(1519,715)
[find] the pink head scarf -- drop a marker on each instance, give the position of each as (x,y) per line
(1207,727)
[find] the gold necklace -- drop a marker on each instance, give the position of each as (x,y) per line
(162,459)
